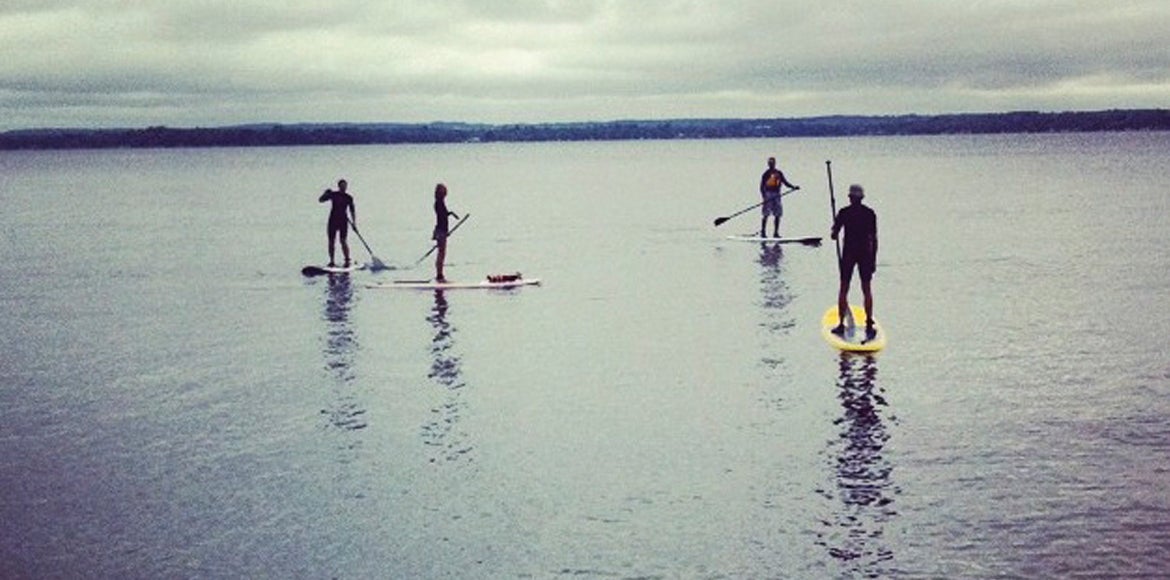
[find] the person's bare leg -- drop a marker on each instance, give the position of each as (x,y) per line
(867,291)
(842,307)
(440,258)
(331,250)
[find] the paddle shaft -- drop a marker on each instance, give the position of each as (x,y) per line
(720,221)
(436,246)
(359,235)
(848,314)
(375,262)
(833,209)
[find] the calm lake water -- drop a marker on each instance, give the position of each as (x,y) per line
(176,400)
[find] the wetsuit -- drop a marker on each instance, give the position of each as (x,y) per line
(338,218)
(861,242)
(441,221)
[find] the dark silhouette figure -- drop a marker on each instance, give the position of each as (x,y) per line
(442,229)
(340,213)
(860,250)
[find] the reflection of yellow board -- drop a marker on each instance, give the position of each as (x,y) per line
(854,338)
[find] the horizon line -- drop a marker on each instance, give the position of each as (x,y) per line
(580,122)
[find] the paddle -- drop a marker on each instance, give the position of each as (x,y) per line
(837,241)
(720,221)
(436,246)
(375,263)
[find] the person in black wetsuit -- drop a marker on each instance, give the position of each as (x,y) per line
(338,225)
(442,229)
(859,249)
(770,184)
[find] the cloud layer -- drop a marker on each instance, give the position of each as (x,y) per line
(90,63)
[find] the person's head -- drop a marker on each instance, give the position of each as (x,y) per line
(440,191)
(342,184)
(771,163)
(856,193)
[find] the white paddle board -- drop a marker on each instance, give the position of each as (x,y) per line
(313,270)
(812,241)
(450,285)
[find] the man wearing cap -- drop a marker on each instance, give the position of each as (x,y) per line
(770,183)
(859,249)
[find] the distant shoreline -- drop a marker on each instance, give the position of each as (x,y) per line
(297,134)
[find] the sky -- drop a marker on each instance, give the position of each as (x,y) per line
(200,63)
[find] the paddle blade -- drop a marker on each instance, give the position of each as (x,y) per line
(377,264)
(720,221)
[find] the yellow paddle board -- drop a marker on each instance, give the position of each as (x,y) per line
(854,338)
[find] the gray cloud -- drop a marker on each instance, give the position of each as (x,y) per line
(208,62)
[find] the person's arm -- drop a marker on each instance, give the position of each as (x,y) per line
(325,196)
(353,212)
(763,181)
(873,241)
(836,225)
(784,181)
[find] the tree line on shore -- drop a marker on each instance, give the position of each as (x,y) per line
(273,134)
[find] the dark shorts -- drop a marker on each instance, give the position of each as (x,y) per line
(440,234)
(865,267)
(337,227)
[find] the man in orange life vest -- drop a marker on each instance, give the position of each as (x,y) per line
(770,183)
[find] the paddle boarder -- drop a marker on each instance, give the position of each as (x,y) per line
(770,183)
(338,226)
(441,229)
(859,249)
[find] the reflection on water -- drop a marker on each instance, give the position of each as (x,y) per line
(863,491)
(775,298)
(340,350)
(442,432)
(774,289)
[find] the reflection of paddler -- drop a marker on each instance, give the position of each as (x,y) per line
(443,432)
(863,473)
(442,229)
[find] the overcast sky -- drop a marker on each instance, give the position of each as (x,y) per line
(131,63)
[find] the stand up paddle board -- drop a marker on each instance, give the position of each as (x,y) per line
(813,241)
(319,270)
(854,338)
(489,283)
